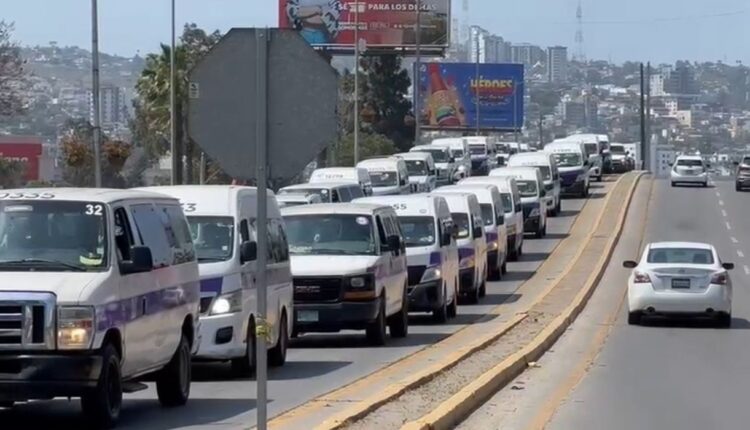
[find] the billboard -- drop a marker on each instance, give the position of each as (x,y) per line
(455,96)
(27,150)
(383,24)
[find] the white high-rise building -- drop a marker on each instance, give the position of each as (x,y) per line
(486,47)
(557,64)
(112,104)
(657,85)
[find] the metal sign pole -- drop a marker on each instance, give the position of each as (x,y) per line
(176,166)
(515,110)
(478,84)
(97,127)
(356,82)
(417,77)
(261,227)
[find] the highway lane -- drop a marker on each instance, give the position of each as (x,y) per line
(317,363)
(681,374)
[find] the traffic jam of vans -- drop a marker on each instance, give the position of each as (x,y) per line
(105,289)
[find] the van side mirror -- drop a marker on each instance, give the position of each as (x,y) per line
(141,261)
(477,232)
(542,193)
(452,159)
(393,243)
(500,219)
(248,252)
(629,264)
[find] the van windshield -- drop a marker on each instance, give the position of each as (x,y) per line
(416,168)
(568,160)
(56,236)
(546,172)
(457,153)
(438,155)
(591,148)
(213,237)
(461,220)
(330,234)
(324,193)
(507,202)
(504,149)
(527,188)
(384,179)
(417,230)
(488,215)
(478,149)
(617,149)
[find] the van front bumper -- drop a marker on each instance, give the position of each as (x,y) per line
(531,224)
(222,337)
(334,317)
(426,297)
(466,281)
(26,376)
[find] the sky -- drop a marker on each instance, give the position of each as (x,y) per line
(616,30)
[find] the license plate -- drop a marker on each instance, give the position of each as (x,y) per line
(307,316)
(681,283)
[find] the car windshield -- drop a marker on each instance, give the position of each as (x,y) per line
(330,234)
(416,168)
(384,179)
(568,160)
(324,193)
(488,215)
(507,202)
(213,237)
(461,220)
(617,149)
(527,188)
(418,230)
(680,256)
(478,149)
(54,236)
(690,163)
(438,155)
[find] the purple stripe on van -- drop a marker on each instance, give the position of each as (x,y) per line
(212,285)
(491,237)
(465,252)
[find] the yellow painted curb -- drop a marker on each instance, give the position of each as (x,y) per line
(452,411)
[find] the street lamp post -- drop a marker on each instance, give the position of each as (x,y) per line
(95,87)
(172,105)
(356,82)
(417,76)
(477,84)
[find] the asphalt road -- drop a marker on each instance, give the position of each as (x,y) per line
(316,363)
(676,374)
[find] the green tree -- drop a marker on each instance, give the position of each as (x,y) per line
(151,126)
(78,156)
(13,75)
(370,145)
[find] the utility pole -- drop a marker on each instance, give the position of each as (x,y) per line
(478,85)
(647,157)
(515,110)
(176,159)
(417,77)
(643,119)
(541,130)
(356,82)
(95,87)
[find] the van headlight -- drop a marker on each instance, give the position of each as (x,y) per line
(227,303)
(75,327)
(534,212)
(466,263)
(492,246)
(432,274)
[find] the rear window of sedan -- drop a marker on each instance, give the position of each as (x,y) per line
(680,256)
(690,163)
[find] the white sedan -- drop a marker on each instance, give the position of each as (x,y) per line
(680,278)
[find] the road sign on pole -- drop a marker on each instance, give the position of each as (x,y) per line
(263,103)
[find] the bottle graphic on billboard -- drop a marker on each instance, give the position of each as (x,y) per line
(443,104)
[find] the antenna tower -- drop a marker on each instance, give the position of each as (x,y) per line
(580,52)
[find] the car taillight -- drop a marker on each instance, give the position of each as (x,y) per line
(641,278)
(719,278)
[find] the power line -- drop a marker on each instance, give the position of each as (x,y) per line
(670,19)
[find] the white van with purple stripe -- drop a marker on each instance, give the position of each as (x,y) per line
(222,221)
(99,288)
(431,252)
(472,246)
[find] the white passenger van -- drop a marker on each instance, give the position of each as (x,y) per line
(445,165)
(422,173)
(531,187)
(349,269)
(573,166)
(389,176)
(461,154)
(329,192)
(99,287)
(493,215)
(354,175)
(483,154)
(513,210)
(472,246)
(502,153)
(222,221)
(431,252)
(287,200)
(593,150)
(548,167)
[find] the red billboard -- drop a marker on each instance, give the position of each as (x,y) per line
(383,24)
(27,150)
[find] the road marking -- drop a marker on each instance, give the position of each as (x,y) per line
(734,240)
(729,227)
(723,212)
(721,202)
(741,254)
(718,194)
(747,270)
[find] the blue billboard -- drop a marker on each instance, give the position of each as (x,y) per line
(467,96)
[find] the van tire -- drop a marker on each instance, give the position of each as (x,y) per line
(483,285)
(440,315)
(244,367)
(277,354)
(504,267)
(375,331)
(173,381)
(399,323)
(102,405)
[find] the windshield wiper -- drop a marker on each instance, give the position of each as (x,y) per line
(38,261)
